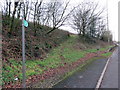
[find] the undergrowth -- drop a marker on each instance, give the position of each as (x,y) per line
(59,56)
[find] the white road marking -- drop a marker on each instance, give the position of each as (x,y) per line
(102,74)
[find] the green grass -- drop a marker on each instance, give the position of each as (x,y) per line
(91,50)
(107,54)
(65,53)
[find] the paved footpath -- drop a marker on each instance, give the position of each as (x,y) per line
(87,78)
(110,79)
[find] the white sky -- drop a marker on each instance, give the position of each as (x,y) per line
(112,14)
(113,17)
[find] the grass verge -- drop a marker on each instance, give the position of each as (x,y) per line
(107,54)
(65,53)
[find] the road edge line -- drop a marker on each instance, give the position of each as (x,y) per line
(103,73)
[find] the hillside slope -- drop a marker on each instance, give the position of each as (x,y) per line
(46,55)
(63,56)
(37,45)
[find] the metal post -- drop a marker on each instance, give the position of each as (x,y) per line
(23,53)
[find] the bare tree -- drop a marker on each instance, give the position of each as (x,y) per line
(9,6)
(106,36)
(13,15)
(26,8)
(37,14)
(19,10)
(6,9)
(101,27)
(57,14)
(85,17)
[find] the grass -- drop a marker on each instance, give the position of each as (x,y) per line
(65,53)
(107,54)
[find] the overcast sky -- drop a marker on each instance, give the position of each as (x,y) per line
(113,17)
(112,13)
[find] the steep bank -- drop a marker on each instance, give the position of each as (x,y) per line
(62,58)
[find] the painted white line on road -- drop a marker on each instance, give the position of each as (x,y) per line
(102,75)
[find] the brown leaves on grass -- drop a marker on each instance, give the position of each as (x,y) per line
(52,72)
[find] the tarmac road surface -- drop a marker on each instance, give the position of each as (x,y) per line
(110,79)
(87,78)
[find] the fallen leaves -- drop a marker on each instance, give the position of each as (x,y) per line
(52,72)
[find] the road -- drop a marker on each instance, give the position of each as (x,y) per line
(110,79)
(89,76)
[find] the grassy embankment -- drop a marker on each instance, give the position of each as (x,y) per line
(67,52)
